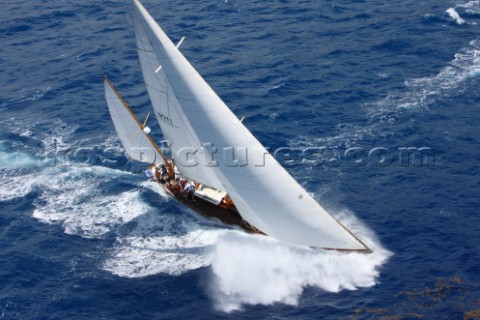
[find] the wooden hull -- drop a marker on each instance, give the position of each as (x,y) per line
(227,214)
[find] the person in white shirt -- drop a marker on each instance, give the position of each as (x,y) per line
(190,188)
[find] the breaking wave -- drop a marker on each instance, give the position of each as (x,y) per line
(261,270)
(470,9)
(455,16)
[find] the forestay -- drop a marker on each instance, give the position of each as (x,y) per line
(138,145)
(263,192)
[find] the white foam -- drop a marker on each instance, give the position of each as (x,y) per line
(275,87)
(455,16)
(423,92)
(246,269)
(16,160)
(54,139)
(17,178)
(34,94)
(345,136)
(73,197)
(260,270)
(15,187)
(471,7)
(474,73)
(57,140)
(173,252)
(164,242)
(26,133)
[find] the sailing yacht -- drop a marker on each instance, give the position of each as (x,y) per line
(236,179)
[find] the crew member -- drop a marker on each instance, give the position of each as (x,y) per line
(190,188)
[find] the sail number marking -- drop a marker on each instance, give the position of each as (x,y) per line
(164,118)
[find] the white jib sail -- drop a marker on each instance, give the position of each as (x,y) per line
(138,145)
(263,191)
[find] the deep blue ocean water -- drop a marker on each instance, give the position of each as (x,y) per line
(83,235)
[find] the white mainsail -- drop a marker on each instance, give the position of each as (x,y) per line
(170,116)
(263,191)
(138,145)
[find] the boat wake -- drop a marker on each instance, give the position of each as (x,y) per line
(245,269)
(260,270)
(153,235)
(74,199)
